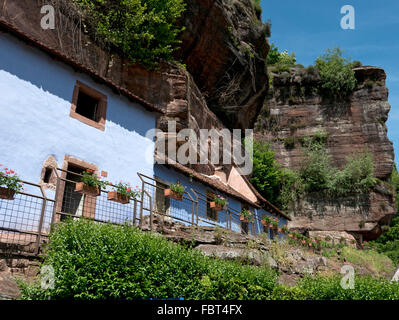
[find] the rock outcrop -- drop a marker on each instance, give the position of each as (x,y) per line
(224,48)
(294,110)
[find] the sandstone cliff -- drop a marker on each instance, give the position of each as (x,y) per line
(294,110)
(224,47)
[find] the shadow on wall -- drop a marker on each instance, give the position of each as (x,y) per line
(57,78)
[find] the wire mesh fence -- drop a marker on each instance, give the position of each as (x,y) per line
(25,221)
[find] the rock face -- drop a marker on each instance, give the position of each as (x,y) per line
(224,47)
(294,110)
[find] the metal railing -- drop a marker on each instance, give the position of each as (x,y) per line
(25,222)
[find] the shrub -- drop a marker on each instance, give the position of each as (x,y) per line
(337,76)
(366,288)
(144,30)
(266,171)
(97,261)
(357,175)
(281,61)
(315,170)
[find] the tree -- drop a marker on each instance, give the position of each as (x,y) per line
(337,77)
(144,30)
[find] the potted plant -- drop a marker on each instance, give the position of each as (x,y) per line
(9,184)
(266,221)
(218,203)
(274,223)
(90,184)
(246,216)
(123,193)
(175,191)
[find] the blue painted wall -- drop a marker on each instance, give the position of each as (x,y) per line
(183,209)
(36,100)
(36,94)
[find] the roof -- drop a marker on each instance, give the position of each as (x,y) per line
(4,25)
(212,182)
(219,185)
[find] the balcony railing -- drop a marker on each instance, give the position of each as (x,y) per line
(25,222)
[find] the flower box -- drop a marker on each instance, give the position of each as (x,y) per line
(7,194)
(83,188)
(174,195)
(117,197)
(215,206)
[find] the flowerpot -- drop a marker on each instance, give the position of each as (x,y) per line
(270,226)
(215,206)
(263,222)
(174,195)
(87,190)
(279,230)
(7,194)
(117,197)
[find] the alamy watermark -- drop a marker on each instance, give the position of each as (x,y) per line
(348,20)
(348,280)
(207,146)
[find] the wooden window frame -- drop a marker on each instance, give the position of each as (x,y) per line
(102,105)
(89,206)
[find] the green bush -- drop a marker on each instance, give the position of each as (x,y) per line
(337,77)
(366,288)
(280,61)
(266,171)
(96,261)
(356,177)
(144,30)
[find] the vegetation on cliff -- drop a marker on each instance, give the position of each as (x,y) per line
(143,30)
(388,243)
(95,261)
(316,174)
(337,76)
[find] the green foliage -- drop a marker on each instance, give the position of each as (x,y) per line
(144,30)
(280,61)
(91,179)
(356,177)
(257,7)
(248,215)
(266,171)
(126,190)
(316,170)
(317,174)
(337,76)
(220,200)
(9,179)
(366,288)
(372,260)
(177,187)
(97,261)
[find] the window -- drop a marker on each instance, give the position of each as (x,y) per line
(47,174)
(89,106)
(70,202)
(210,213)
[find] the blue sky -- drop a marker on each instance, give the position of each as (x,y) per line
(309,27)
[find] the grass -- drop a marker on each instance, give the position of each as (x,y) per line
(372,260)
